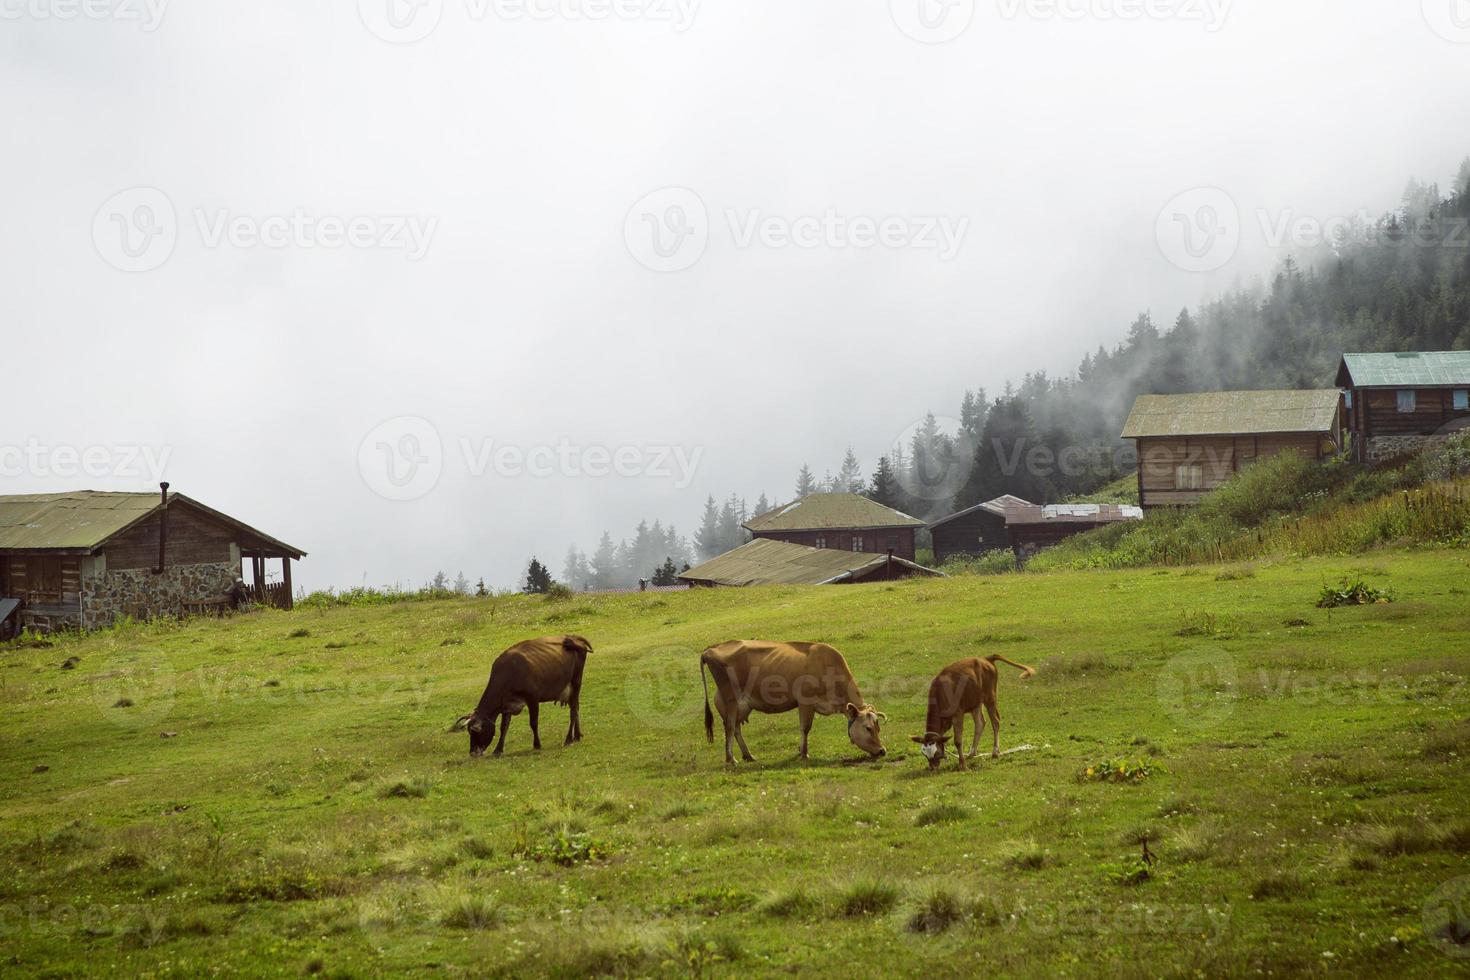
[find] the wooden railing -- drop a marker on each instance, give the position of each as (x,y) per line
(277,594)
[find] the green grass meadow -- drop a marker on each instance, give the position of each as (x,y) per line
(277,793)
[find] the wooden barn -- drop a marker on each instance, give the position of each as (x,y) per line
(840,522)
(768,562)
(974,531)
(81,560)
(1398,403)
(1030,528)
(1189,445)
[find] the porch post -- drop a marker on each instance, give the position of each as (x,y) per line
(286,579)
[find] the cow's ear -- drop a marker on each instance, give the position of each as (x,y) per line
(851,711)
(461,724)
(942,739)
(576,644)
(917,738)
(477,724)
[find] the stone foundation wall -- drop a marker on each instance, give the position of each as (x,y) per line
(1381,448)
(142,594)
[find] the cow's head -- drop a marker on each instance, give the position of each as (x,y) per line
(862,728)
(932,746)
(482,733)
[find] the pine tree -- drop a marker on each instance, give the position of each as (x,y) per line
(604,564)
(575,571)
(762,506)
(538,579)
(440,582)
(480,590)
(850,477)
(707,540)
(806,484)
(884,489)
(667,573)
(461,584)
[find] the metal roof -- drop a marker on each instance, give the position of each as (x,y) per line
(767,562)
(1230,413)
(1409,369)
(84,520)
(1001,507)
(1074,514)
(829,511)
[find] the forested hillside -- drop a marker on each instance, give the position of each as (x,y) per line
(1400,283)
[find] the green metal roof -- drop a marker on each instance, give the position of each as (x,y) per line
(84,520)
(1229,413)
(1409,369)
(829,511)
(767,562)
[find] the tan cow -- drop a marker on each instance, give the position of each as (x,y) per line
(963,688)
(810,678)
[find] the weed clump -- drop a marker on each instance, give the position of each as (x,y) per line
(941,813)
(867,898)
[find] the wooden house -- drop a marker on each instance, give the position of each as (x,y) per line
(974,531)
(1398,403)
(770,562)
(84,559)
(1189,445)
(840,522)
(1030,528)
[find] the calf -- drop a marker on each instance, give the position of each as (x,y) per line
(810,678)
(525,676)
(963,688)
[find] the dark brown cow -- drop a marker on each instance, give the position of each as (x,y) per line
(963,688)
(809,678)
(528,674)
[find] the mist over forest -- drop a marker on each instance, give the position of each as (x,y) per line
(1401,282)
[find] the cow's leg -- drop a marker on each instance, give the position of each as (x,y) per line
(533,709)
(729,737)
(740,737)
(979,719)
(574,723)
(994,729)
(806,713)
(577,714)
(959,734)
(504,726)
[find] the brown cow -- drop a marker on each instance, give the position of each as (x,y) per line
(524,676)
(963,688)
(812,678)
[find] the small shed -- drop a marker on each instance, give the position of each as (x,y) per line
(1031,528)
(840,522)
(769,562)
(83,559)
(1399,403)
(976,530)
(1189,445)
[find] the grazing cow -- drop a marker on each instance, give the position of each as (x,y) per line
(811,678)
(529,673)
(963,688)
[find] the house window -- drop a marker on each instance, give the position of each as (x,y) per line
(857,542)
(44,575)
(1462,401)
(821,542)
(1347,397)
(1190,476)
(1408,402)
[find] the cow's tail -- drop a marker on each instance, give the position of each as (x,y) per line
(1025,671)
(709,716)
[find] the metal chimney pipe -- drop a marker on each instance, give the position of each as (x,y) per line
(162,527)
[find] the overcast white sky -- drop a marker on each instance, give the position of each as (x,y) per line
(497,287)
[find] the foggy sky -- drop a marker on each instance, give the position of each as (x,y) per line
(519,144)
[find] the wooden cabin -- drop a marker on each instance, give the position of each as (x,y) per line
(1400,403)
(769,562)
(82,560)
(974,531)
(1189,445)
(1031,528)
(840,522)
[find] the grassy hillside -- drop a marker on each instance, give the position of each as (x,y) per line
(281,796)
